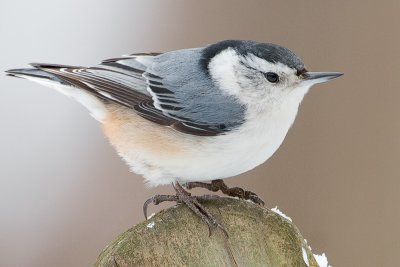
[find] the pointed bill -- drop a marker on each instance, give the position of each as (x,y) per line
(319,77)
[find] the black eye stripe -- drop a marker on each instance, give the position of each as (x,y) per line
(272,77)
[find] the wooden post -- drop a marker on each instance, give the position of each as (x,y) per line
(176,237)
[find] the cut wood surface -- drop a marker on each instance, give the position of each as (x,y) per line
(176,237)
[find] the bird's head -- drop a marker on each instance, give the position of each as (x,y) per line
(260,73)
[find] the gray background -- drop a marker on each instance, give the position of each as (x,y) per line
(64,193)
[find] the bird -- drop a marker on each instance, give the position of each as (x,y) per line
(190,116)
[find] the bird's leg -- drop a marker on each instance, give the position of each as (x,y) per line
(182,196)
(193,203)
(219,184)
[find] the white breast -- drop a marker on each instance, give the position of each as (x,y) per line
(235,153)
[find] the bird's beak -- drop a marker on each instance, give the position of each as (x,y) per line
(311,78)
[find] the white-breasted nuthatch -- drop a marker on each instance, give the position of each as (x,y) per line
(191,115)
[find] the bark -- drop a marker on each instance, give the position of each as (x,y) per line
(176,237)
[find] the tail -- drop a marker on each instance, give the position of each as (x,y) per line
(36,75)
(94,87)
(86,96)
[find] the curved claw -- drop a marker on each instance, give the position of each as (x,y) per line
(145,205)
(254,198)
(157,199)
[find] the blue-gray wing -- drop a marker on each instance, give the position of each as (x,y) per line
(170,89)
(181,90)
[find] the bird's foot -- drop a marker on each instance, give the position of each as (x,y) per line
(219,184)
(193,202)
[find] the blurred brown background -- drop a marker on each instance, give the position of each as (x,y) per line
(64,193)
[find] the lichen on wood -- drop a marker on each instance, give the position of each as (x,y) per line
(176,237)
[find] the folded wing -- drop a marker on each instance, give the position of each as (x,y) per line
(170,89)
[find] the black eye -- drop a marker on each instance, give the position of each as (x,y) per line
(272,77)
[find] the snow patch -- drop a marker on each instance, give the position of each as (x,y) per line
(151,225)
(321,260)
(277,211)
(305,257)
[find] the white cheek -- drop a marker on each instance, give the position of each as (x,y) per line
(222,71)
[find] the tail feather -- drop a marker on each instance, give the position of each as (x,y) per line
(36,73)
(110,82)
(55,66)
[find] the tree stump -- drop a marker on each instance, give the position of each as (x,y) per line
(176,237)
